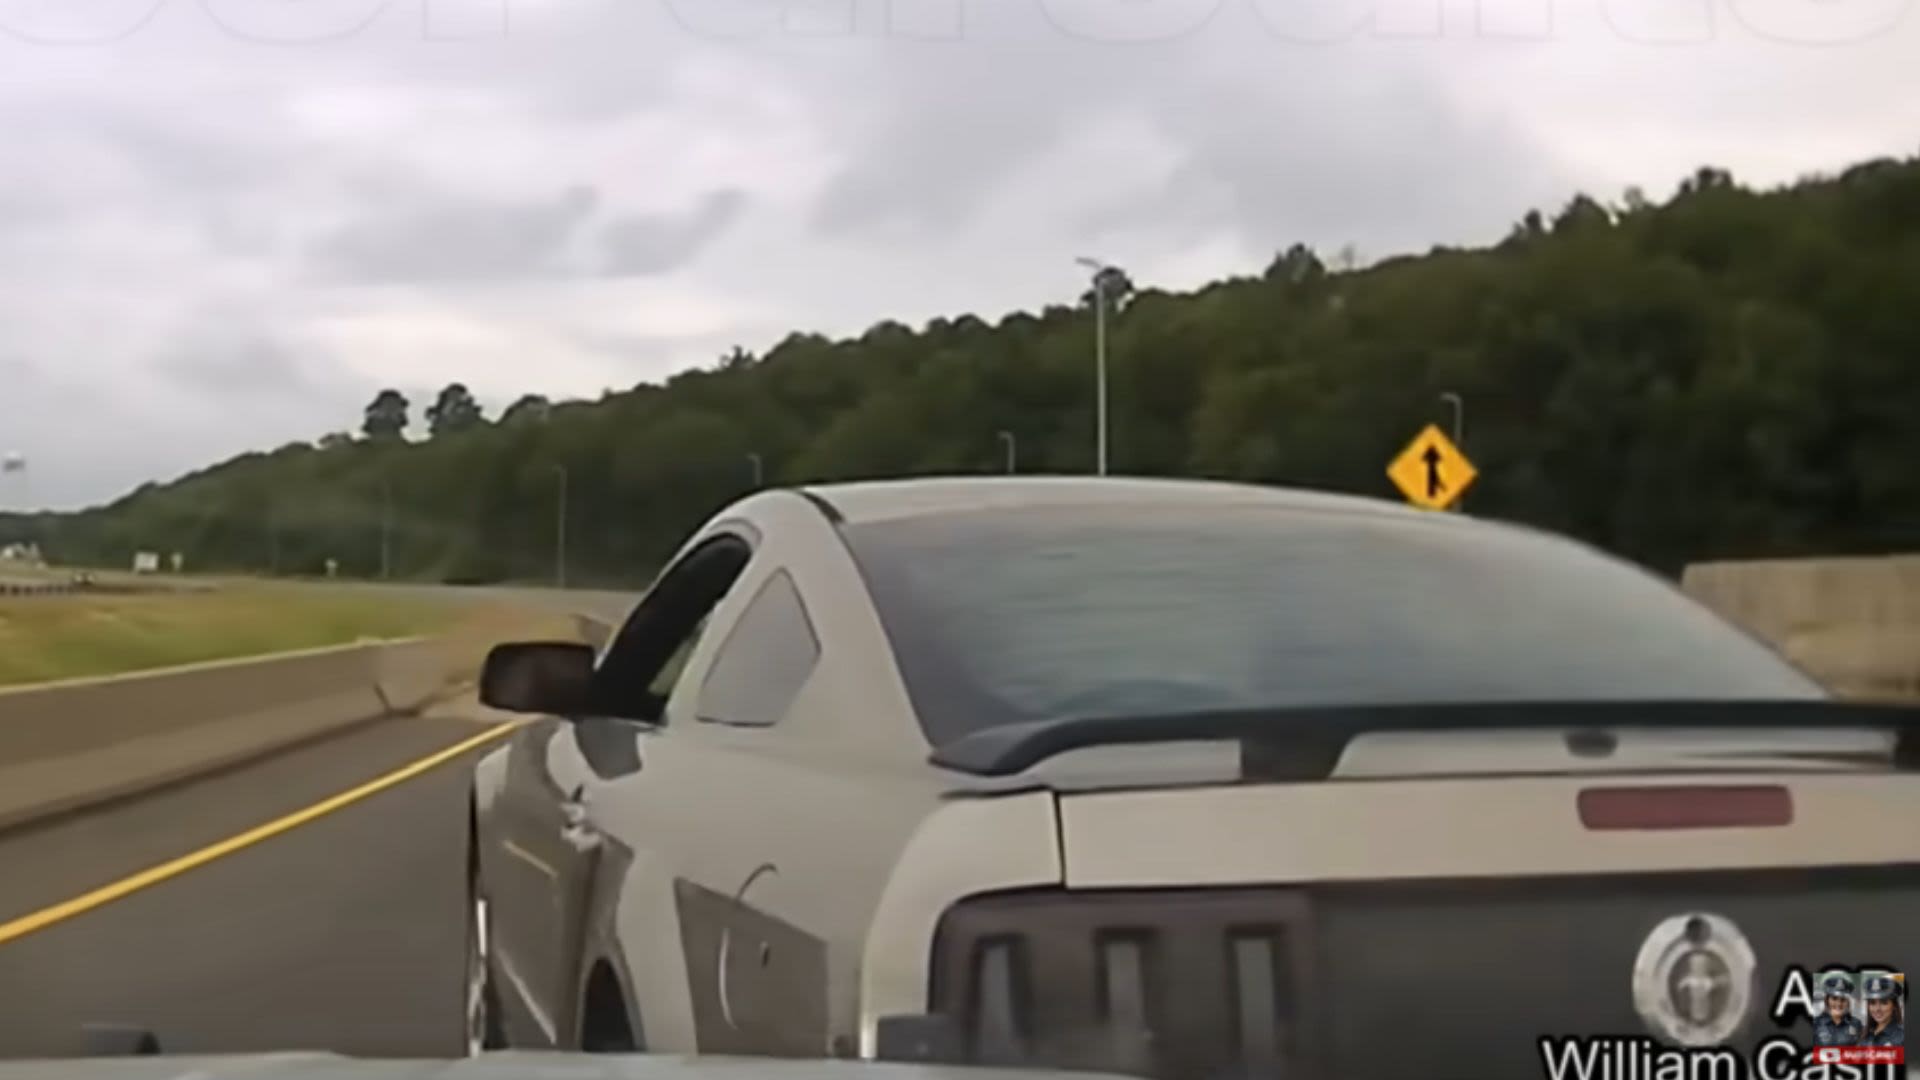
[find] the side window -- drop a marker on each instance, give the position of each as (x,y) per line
(643,663)
(765,660)
(662,686)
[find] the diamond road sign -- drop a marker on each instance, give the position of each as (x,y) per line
(1432,472)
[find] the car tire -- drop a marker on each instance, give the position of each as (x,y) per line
(483,1030)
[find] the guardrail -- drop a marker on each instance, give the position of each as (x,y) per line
(20,588)
(92,586)
(71,744)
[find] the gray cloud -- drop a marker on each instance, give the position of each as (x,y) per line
(452,242)
(431,237)
(1386,164)
(1225,130)
(386,204)
(955,127)
(233,357)
(648,244)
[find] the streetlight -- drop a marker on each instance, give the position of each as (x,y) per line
(1102,272)
(759,469)
(386,528)
(1459,413)
(1007,438)
(560,532)
(14,463)
(1459,433)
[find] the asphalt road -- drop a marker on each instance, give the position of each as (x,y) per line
(342,934)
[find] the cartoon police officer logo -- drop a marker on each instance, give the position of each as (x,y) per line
(1836,1024)
(1693,979)
(1884,993)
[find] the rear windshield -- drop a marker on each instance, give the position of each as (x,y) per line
(1004,616)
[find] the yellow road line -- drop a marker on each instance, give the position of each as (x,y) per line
(154,875)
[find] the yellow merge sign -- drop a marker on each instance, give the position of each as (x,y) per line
(1431,472)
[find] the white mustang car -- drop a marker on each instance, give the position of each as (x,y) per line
(1168,778)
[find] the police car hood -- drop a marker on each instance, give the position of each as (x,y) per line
(519,1066)
(505,1065)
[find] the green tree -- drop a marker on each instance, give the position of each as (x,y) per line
(453,411)
(1724,373)
(1296,266)
(530,408)
(386,416)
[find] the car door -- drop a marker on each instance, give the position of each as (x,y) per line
(772,800)
(784,816)
(552,842)
(693,820)
(700,826)
(540,863)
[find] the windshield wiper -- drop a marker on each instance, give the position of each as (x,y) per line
(1314,736)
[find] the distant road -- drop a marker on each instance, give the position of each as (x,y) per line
(612,605)
(607,604)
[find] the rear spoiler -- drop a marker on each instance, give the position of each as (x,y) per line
(1310,739)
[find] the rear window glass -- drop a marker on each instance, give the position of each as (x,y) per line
(1004,616)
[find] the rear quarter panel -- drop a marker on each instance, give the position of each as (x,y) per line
(802,822)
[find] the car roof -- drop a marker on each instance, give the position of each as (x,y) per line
(881,500)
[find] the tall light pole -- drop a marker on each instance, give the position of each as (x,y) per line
(386,528)
(759,469)
(1459,414)
(560,532)
(14,463)
(1101,273)
(1459,433)
(1007,438)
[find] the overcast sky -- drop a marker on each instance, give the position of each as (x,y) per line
(225,223)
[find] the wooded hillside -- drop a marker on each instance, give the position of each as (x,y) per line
(1727,373)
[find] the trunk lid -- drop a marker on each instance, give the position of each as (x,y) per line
(1387,901)
(1375,926)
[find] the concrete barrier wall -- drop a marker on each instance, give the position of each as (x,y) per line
(592,629)
(58,718)
(1853,623)
(70,744)
(409,675)
(36,588)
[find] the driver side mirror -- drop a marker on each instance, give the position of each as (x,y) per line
(554,677)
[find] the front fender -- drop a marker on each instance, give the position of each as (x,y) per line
(489,779)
